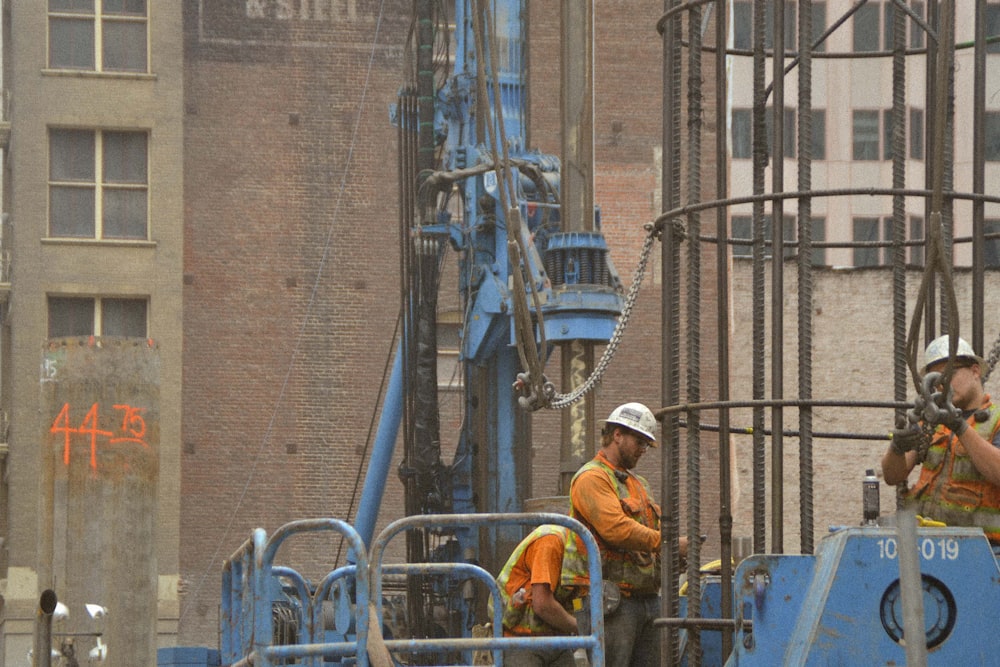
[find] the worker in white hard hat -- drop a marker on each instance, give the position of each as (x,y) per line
(616,505)
(959,481)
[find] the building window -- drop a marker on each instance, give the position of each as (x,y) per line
(866,28)
(818,236)
(917,134)
(742,139)
(743,25)
(872,134)
(993,26)
(101,316)
(879,231)
(98,184)
(818,134)
(866,135)
(98,35)
(917,39)
(866,230)
(818,25)
(742,234)
(991,247)
(449,340)
(916,234)
(991,140)
(887,134)
(872,24)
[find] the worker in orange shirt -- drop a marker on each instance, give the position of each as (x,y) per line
(542,585)
(615,504)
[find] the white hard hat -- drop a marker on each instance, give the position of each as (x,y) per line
(635,416)
(938,351)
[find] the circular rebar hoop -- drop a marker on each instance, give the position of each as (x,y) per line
(683,204)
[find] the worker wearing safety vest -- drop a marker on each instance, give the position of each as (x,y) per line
(542,586)
(959,481)
(615,504)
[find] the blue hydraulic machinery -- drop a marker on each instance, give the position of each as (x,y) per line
(469,183)
(846,604)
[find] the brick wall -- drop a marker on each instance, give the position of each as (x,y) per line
(291,261)
(291,265)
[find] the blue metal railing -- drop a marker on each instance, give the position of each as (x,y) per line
(248,583)
(250,588)
(593,642)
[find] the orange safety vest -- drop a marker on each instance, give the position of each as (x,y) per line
(636,572)
(950,489)
(519,617)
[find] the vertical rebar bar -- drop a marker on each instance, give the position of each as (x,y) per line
(670,316)
(694,119)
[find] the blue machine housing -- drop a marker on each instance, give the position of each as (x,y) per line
(842,606)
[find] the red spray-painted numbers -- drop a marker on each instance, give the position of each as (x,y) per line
(131,429)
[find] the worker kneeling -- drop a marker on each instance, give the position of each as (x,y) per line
(542,586)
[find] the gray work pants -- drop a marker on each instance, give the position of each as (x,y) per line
(630,640)
(539,658)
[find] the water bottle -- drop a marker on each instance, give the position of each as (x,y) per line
(869,497)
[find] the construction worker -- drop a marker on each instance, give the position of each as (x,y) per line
(959,481)
(615,504)
(542,586)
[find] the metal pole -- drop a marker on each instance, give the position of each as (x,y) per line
(42,654)
(577,208)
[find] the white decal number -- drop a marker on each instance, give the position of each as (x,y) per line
(945,548)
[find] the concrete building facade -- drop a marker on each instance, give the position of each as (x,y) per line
(94,220)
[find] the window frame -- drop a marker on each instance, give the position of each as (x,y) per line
(878,24)
(991,247)
(743,26)
(991,136)
(98,309)
(789,234)
(993,24)
(103,187)
(861,152)
(882,135)
(883,227)
(102,22)
(450,372)
(915,130)
(741,133)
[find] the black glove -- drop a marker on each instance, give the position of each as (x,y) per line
(956,421)
(905,439)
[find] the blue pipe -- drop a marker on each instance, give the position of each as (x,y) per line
(381,457)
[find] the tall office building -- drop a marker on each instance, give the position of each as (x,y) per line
(92,335)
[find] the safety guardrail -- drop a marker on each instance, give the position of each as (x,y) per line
(593,642)
(250,588)
(249,579)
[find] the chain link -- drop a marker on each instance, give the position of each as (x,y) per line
(991,360)
(560,401)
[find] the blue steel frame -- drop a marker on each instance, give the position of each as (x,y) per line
(594,642)
(248,589)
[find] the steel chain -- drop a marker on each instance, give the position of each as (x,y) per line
(991,360)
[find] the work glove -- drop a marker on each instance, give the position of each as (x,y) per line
(940,409)
(955,420)
(906,437)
